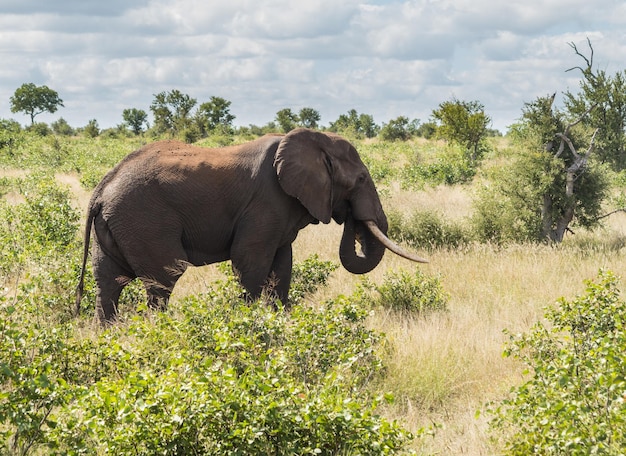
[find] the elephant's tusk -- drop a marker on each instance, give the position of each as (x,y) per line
(389,244)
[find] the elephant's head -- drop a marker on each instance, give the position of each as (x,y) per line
(325,173)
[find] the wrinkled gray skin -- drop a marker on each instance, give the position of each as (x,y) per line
(170,204)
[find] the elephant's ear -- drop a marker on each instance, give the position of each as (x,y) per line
(303,169)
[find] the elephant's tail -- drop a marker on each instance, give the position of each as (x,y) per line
(93,211)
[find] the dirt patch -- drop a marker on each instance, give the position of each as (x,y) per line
(80,196)
(12,197)
(12,173)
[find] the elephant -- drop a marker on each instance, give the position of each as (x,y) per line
(169,205)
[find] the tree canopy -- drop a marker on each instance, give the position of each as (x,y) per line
(399,129)
(355,124)
(171,111)
(608,96)
(34,100)
(463,122)
(554,181)
(287,120)
(135,118)
(309,118)
(215,114)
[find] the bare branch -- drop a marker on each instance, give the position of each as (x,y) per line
(610,213)
(589,60)
(593,141)
(582,116)
(561,146)
(565,139)
(552,100)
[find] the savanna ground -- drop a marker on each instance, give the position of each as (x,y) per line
(443,368)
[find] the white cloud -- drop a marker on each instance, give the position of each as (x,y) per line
(385,58)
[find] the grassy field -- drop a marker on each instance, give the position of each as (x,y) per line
(444,367)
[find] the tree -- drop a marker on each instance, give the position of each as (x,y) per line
(608,95)
(367,126)
(61,127)
(135,119)
(215,114)
(399,129)
(171,111)
(552,183)
(256,130)
(576,188)
(463,122)
(426,130)
(355,124)
(309,117)
(92,129)
(286,119)
(34,100)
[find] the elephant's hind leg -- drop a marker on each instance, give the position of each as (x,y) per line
(110,278)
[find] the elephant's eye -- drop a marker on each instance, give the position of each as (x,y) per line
(361,179)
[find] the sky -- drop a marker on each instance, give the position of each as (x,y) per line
(385,58)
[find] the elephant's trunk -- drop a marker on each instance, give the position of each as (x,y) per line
(372,250)
(373,243)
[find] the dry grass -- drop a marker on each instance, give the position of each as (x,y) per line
(448,366)
(452,202)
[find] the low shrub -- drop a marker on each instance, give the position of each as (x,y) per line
(40,228)
(308,276)
(402,291)
(214,375)
(204,379)
(573,403)
(499,221)
(427,229)
(451,166)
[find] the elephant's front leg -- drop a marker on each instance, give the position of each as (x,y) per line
(281,274)
(268,271)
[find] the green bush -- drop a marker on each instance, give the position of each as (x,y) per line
(426,229)
(66,154)
(308,276)
(402,291)
(498,221)
(332,339)
(30,385)
(573,403)
(450,166)
(208,378)
(61,127)
(11,136)
(39,128)
(41,227)
(214,375)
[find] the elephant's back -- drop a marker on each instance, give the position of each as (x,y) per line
(163,169)
(145,164)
